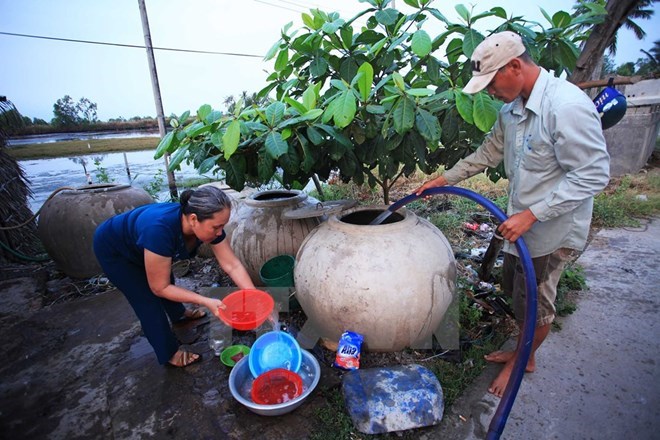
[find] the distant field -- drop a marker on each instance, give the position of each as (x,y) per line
(82,147)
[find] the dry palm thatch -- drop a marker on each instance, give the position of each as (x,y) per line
(14,193)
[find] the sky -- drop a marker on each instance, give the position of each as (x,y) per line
(35,73)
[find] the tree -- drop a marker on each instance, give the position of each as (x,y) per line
(86,111)
(603,36)
(68,113)
(245,99)
(374,102)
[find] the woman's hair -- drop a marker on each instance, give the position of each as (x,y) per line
(204,202)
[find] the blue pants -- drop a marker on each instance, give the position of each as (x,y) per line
(152,311)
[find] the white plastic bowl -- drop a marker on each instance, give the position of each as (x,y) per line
(240,385)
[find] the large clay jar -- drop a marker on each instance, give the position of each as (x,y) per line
(258,231)
(391,282)
(68,221)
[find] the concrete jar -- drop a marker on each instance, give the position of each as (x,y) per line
(391,282)
(258,232)
(68,221)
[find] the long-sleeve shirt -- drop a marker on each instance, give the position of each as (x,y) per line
(555,158)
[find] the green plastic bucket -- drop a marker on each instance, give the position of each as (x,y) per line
(278,271)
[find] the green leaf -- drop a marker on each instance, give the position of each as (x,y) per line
(214,116)
(375,109)
(338,84)
(419,92)
(393,143)
(308,21)
(413,3)
(178,157)
(485,112)
(336,135)
(231,138)
(464,106)
(471,41)
(421,43)
(463,12)
(403,115)
(399,81)
(203,112)
(345,109)
(275,145)
(331,28)
(561,19)
(568,54)
(290,161)
(387,17)
(164,145)
(207,164)
(454,50)
(194,130)
(235,172)
(546,15)
(318,66)
(377,47)
(314,136)
(499,12)
(309,97)
(273,50)
(216,139)
(282,60)
(300,108)
(366,80)
(346,35)
(427,125)
(274,113)
(184,116)
(433,69)
(265,167)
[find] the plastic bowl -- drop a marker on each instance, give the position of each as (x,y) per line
(247,309)
(276,386)
(241,381)
(230,355)
(274,350)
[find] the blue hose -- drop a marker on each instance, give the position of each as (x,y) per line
(527,337)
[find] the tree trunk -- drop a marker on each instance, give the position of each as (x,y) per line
(601,37)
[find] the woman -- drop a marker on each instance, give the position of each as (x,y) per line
(136,250)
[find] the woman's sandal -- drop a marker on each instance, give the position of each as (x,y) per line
(192,315)
(184,358)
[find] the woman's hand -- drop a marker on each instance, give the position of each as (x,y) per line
(214,305)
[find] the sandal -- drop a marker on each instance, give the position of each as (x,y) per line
(193,314)
(184,358)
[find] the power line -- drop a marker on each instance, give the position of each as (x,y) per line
(134,46)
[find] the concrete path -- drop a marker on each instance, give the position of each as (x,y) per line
(599,376)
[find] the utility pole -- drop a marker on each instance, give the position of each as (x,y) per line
(160,114)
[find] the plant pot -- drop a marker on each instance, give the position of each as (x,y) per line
(68,221)
(391,282)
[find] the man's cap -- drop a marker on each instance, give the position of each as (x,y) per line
(490,55)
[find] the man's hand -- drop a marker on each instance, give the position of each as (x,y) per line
(440,181)
(517,225)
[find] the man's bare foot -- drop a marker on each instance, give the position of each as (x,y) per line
(498,386)
(502,357)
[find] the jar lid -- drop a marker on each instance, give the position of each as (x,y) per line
(319,209)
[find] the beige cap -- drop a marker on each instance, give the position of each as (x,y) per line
(490,55)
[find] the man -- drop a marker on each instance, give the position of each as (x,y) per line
(549,136)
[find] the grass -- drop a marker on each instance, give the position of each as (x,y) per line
(627,199)
(80,147)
